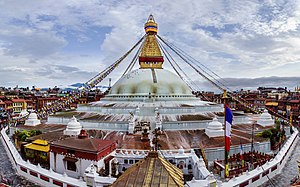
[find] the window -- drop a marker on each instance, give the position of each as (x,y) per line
(181,165)
(71,166)
(125,161)
(130,161)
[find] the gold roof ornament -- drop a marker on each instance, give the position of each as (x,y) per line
(151,25)
(153,170)
(151,56)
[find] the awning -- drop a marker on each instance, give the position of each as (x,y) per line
(71,159)
(42,148)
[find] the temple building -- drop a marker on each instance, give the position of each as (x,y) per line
(38,151)
(74,154)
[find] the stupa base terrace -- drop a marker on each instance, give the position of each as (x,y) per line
(119,116)
(189,139)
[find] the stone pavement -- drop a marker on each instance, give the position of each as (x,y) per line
(8,173)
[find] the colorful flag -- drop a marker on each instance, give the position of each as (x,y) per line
(228,123)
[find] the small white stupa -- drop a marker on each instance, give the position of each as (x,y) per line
(214,129)
(265,119)
(23,113)
(32,120)
(73,127)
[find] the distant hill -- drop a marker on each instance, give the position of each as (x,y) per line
(77,85)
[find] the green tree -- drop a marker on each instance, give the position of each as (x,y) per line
(267,134)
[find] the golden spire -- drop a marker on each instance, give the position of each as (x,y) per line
(150,56)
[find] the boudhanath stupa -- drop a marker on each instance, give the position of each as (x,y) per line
(148,93)
(150,96)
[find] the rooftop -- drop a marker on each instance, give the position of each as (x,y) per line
(43,127)
(39,145)
(18,100)
(153,170)
(49,136)
(86,144)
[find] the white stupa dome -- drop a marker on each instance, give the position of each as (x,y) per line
(73,127)
(23,113)
(265,119)
(142,82)
(32,115)
(32,120)
(214,129)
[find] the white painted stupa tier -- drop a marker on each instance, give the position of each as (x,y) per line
(159,84)
(214,129)
(146,92)
(265,119)
(151,88)
(73,127)
(32,120)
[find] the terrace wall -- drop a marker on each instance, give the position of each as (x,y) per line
(270,169)
(36,173)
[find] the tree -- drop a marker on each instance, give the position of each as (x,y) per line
(23,135)
(267,134)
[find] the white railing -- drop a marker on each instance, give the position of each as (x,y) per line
(36,173)
(217,153)
(260,175)
(185,125)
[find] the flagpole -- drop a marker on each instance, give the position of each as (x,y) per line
(252,145)
(226,152)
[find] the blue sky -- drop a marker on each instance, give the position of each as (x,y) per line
(48,43)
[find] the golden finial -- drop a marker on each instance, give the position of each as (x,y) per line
(151,25)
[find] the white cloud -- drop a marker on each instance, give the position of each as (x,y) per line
(234,38)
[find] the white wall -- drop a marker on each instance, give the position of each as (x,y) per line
(218,152)
(279,161)
(81,165)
